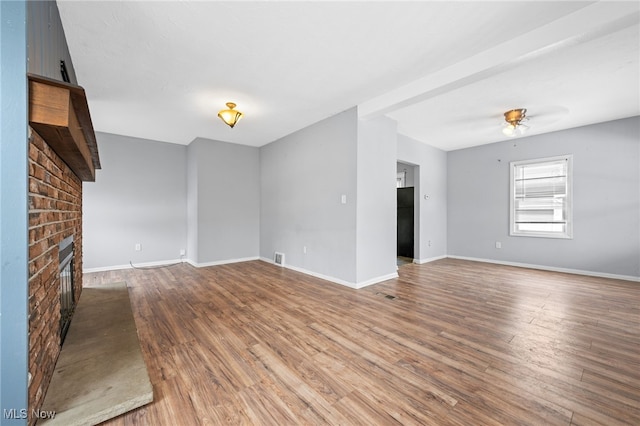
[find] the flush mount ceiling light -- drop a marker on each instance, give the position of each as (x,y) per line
(514,119)
(230,116)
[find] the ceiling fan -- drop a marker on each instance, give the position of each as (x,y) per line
(515,120)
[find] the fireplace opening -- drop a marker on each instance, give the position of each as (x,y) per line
(66,268)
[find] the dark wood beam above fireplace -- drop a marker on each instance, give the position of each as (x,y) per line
(59,112)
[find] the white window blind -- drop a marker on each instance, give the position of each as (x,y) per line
(541,197)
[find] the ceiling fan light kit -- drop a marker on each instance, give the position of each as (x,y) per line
(514,119)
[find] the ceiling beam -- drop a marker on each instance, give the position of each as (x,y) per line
(586,24)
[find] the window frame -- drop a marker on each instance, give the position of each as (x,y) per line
(568,232)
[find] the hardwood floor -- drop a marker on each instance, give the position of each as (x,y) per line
(462,343)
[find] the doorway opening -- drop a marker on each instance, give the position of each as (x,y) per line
(407,212)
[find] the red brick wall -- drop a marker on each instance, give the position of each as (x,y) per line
(55,212)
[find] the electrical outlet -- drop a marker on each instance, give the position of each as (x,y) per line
(138,247)
(304,249)
(498,245)
(183,252)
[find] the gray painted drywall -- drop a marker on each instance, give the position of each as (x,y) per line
(606,205)
(431,181)
(13,211)
(139,196)
(376,215)
(226,198)
(303,177)
(192,203)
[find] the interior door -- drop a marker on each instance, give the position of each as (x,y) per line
(405,222)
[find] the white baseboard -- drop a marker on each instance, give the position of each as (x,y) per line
(333,279)
(221,262)
(550,268)
(167,263)
(367,282)
(377,280)
(135,264)
(428,259)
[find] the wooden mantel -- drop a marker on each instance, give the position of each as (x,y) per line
(59,112)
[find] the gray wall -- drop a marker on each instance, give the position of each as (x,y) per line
(606,183)
(376,200)
(224,201)
(139,196)
(204,198)
(431,181)
(13,209)
(192,202)
(303,177)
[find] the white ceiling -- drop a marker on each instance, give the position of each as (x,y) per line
(445,71)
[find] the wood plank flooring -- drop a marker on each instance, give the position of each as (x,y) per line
(462,343)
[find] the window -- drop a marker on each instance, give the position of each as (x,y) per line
(541,197)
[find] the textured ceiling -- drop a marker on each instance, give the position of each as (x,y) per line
(445,71)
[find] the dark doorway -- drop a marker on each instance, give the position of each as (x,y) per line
(405,222)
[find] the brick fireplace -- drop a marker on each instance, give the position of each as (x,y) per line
(62,154)
(55,213)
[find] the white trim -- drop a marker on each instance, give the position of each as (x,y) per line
(167,263)
(128,265)
(551,268)
(377,280)
(373,280)
(568,232)
(333,279)
(221,262)
(311,273)
(429,259)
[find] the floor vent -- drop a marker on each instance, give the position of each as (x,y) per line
(387,296)
(278,259)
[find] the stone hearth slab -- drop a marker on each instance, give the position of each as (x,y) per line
(100,373)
